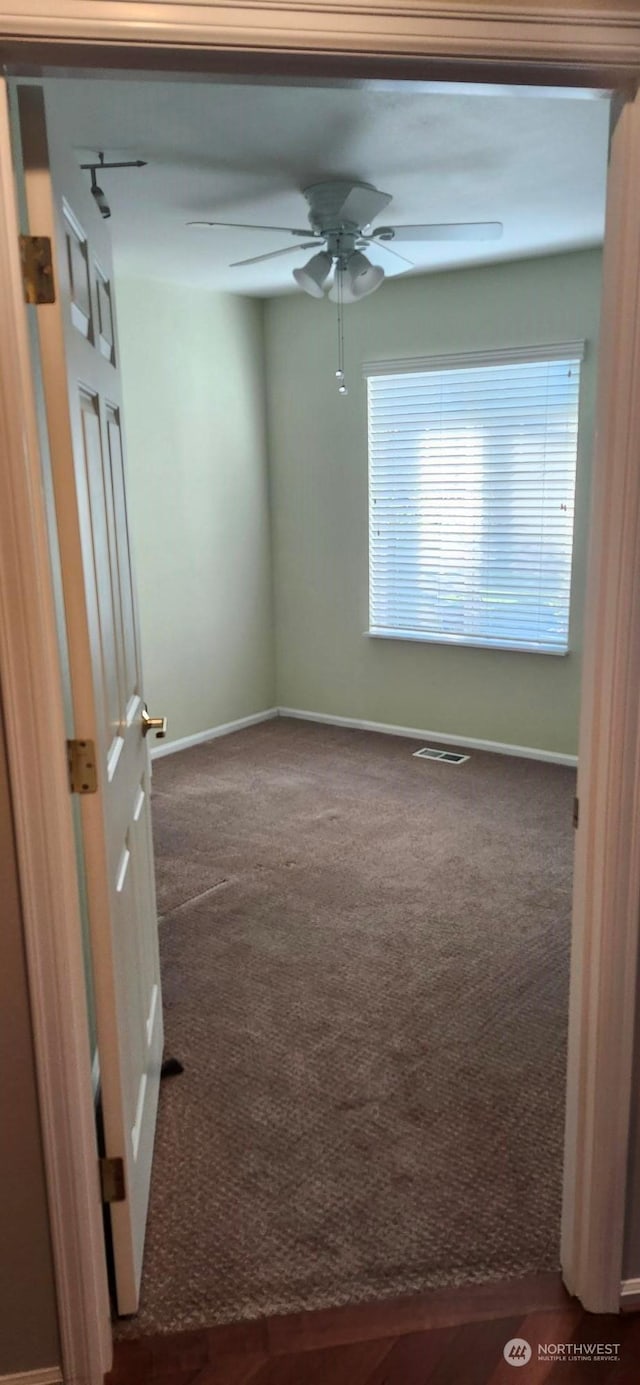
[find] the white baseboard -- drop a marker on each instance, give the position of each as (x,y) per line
(228,727)
(524,752)
(49,1375)
(630,1295)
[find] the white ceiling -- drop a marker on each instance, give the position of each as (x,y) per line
(245,151)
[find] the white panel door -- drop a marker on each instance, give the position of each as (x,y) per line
(80,370)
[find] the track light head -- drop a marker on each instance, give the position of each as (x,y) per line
(101,201)
(97,193)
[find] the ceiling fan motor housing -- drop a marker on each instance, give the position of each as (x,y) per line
(343,206)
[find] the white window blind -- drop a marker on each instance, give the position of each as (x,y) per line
(472,464)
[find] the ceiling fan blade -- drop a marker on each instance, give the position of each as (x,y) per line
(363,204)
(272,254)
(245,226)
(384,245)
(445,230)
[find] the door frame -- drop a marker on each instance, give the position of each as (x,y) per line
(36,745)
(509,41)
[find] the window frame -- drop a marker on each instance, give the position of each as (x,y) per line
(570,351)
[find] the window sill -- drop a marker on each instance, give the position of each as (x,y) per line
(418,637)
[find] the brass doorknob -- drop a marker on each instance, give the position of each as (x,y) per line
(157,724)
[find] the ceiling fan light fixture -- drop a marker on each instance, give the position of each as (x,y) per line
(356,279)
(341,281)
(365,276)
(313,276)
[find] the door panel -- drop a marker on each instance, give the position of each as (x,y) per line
(77,253)
(78,344)
(123,566)
(106,334)
(101,556)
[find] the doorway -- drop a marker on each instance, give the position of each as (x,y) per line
(210,447)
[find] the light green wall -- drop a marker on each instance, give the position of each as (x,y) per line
(318,460)
(194,368)
(193,377)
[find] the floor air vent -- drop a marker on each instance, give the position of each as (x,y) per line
(451,757)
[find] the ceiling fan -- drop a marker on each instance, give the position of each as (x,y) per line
(341,215)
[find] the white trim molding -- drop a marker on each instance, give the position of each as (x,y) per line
(630,1296)
(523,752)
(604,962)
(460,360)
(48,1375)
(574,38)
(31,682)
(201,737)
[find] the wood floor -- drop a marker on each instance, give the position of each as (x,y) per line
(446,1337)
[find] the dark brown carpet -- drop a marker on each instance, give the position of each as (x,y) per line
(365,967)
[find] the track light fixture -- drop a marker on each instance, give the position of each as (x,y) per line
(97,192)
(103,205)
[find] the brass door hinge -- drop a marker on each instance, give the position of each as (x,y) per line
(37,269)
(81,758)
(112,1180)
(576,811)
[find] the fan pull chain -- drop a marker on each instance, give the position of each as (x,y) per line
(342,388)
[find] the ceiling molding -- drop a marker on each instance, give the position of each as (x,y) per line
(606,39)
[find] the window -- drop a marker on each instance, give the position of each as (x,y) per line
(472,464)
